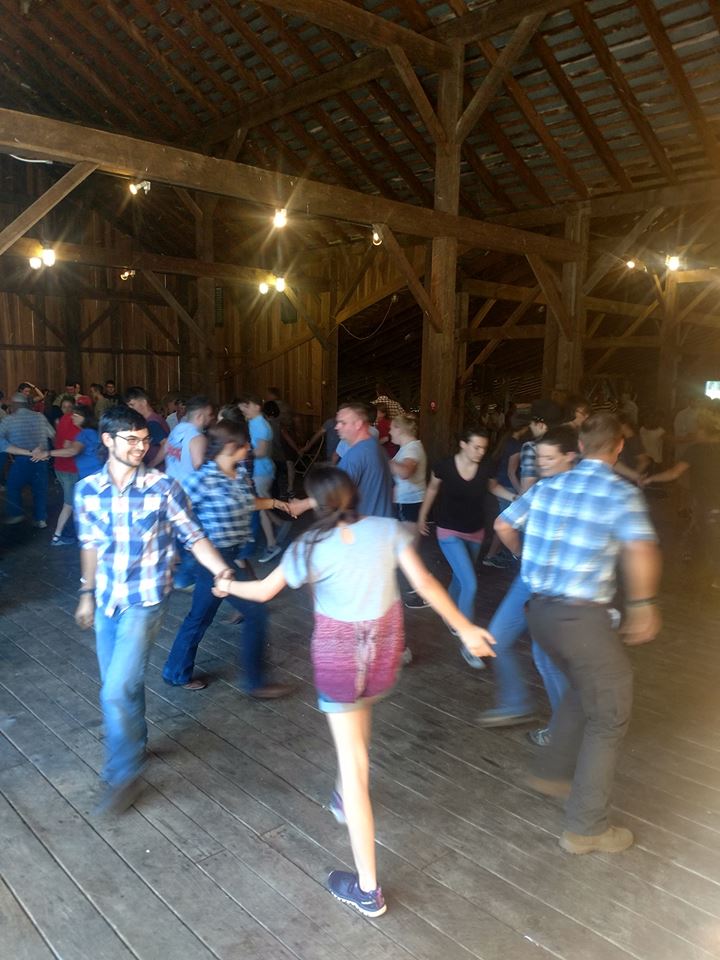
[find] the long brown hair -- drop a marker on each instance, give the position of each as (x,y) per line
(336,499)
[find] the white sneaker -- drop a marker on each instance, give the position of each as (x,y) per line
(268,555)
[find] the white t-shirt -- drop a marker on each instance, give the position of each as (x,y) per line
(411,489)
(652,441)
(352,570)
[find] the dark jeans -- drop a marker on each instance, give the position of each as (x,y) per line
(23,473)
(179,665)
(594,714)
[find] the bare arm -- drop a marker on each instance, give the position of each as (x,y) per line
(258,590)
(433,488)
(627,472)
(526,483)
(508,535)
(85,610)
(672,473)
(513,464)
(475,638)
(160,455)
(403,469)
(198,446)
(641,565)
(500,491)
(206,554)
(262,449)
(70,451)
(18,451)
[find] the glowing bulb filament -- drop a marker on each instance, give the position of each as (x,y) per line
(376,238)
(279,284)
(280,218)
(631,264)
(35,263)
(263,288)
(672,262)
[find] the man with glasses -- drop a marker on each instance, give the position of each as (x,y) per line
(128,518)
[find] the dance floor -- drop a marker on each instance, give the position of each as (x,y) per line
(226,852)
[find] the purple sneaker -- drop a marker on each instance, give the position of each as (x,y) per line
(344,887)
(335,806)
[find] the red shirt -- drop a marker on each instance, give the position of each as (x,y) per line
(65,429)
(383,427)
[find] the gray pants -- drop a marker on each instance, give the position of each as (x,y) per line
(594,715)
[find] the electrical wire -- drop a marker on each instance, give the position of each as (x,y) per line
(377,329)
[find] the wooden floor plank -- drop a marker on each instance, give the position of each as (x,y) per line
(20,939)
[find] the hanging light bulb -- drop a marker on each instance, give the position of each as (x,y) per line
(672,262)
(279,284)
(137,185)
(35,263)
(263,288)
(631,264)
(376,238)
(47,255)
(280,218)
(126,274)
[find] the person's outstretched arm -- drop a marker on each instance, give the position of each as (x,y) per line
(476,639)
(258,590)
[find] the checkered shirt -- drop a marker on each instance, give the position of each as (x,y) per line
(133,531)
(528,461)
(575,524)
(25,429)
(222,505)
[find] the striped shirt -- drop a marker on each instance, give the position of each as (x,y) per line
(223,505)
(133,531)
(25,429)
(528,461)
(575,525)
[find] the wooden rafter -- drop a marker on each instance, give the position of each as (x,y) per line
(532,331)
(679,80)
(609,260)
(406,269)
(582,114)
(376,31)
(407,74)
(98,321)
(124,156)
(35,308)
(501,67)
(352,286)
(635,325)
(42,206)
(512,321)
(623,90)
(304,315)
(493,129)
(158,325)
(494,18)
(176,307)
(537,124)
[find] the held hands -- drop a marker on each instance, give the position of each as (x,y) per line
(221,587)
(39,453)
(641,625)
(478,641)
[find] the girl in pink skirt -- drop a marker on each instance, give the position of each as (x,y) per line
(350,564)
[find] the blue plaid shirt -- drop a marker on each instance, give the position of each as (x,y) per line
(25,429)
(575,524)
(223,505)
(133,531)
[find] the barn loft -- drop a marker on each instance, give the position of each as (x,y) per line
(466,185)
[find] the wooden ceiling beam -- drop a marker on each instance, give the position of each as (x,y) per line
(623,90)
(130,157)
(351,21)
(705,192)
(512,321)
(499,70)
(532,331)
(679,80)
(493,129)
(44,204)
(422,104)
(635,325)
(494,18)
(550,286)
(609,260)
(92,256)
(581,112)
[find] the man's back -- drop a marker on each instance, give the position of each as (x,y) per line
(367,466)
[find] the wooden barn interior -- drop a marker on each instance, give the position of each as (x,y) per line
(465,186)
(485,200)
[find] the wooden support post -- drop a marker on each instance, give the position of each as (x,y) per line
(667,364)
(439,359)
(462,310)
(205,317)
(566,320)
(329,382)
(73,349)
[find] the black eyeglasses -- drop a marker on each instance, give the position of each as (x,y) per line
(134,441)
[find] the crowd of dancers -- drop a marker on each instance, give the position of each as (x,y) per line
(555,503)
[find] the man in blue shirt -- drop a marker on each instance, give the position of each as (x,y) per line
(577,526)
(128,518)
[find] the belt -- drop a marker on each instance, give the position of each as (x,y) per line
(569,601)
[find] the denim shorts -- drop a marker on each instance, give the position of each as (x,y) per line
(67,481)
(328,705)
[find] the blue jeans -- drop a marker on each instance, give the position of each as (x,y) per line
(512,690)
(462,556)
(179,665)
(24,473)
(123,644)
(508,624)
(185,572)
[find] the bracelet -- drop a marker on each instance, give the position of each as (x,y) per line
(84,590)
(646,602)
(226,574)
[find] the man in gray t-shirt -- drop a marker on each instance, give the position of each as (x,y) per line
(364,462)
